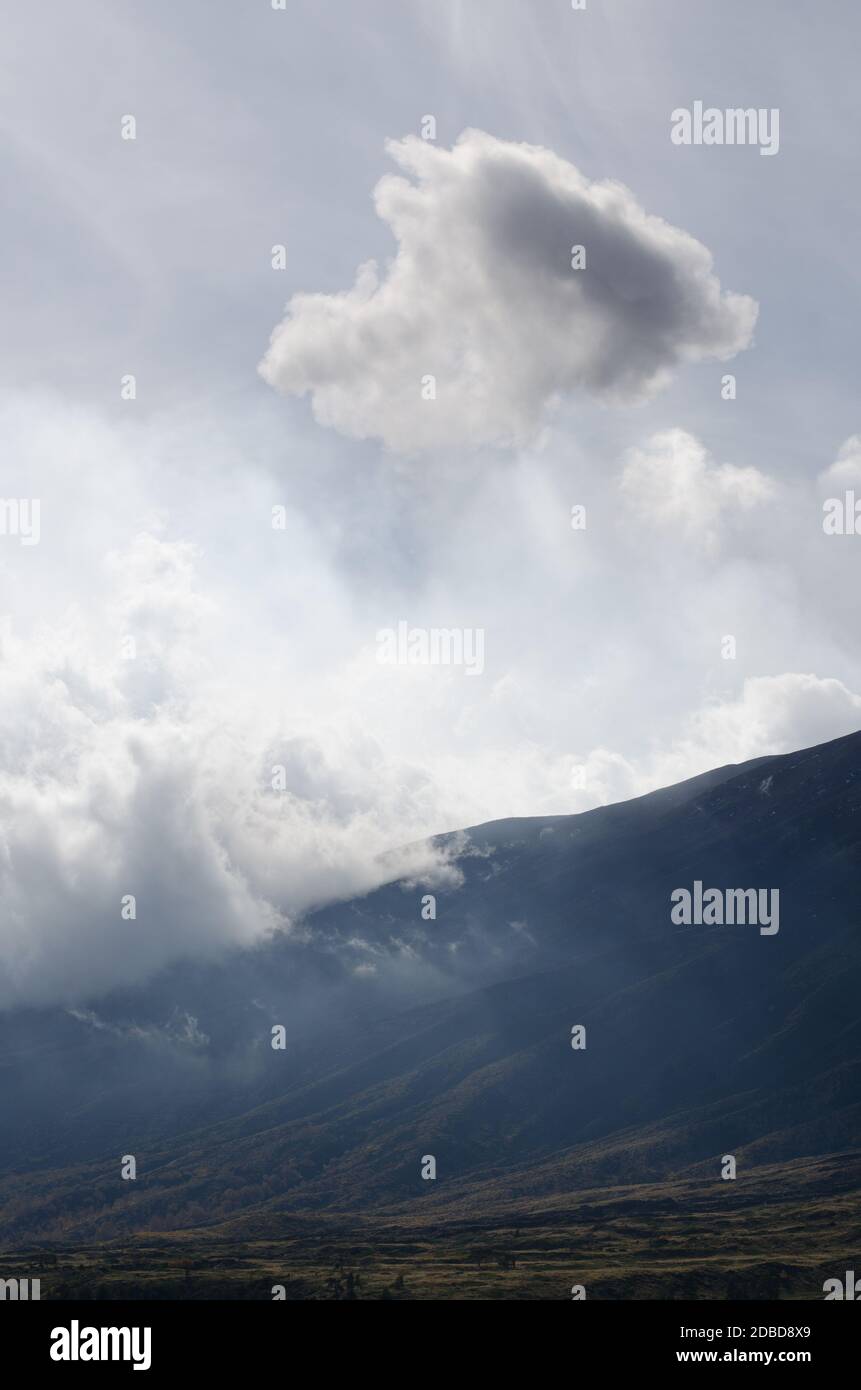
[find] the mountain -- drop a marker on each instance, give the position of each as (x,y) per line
(452,1038)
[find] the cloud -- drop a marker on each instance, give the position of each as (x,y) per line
(481,295)
(155,786)
(182,1029)
(846,468)
(673,482)
(134,778)
(255,649)
(773,714)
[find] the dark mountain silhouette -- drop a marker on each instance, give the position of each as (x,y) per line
(453,1039)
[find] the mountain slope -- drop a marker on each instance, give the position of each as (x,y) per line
(701,1041)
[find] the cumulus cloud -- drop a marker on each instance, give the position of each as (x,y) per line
(118,784)
(845,471)
(126,777)
(673,481)
(481,296)
(771,715)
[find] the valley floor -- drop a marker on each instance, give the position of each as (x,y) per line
(779,1235)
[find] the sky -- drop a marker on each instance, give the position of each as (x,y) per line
(309,358)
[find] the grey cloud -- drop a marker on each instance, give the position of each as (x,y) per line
(482,296)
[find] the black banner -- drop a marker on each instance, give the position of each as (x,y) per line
(159,1338)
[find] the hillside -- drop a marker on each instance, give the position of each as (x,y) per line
(700,1042)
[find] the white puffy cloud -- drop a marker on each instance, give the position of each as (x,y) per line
(845,471)
(770,715)
(120,783)
(773,714)
(673,482)
(481,295)
(133,777)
